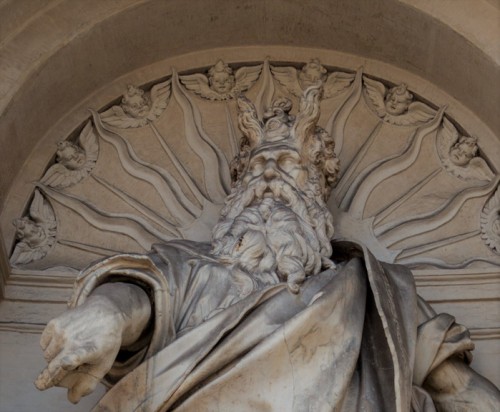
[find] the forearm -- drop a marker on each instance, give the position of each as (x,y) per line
(128,300)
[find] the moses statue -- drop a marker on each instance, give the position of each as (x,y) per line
(271,315)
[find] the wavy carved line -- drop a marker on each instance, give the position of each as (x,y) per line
(427,247)
(265,95)
(336,124)
(168,189)
(140,207)
(440,264)
(391,167)
(233,139)
(190,183)
(126,224)
(389,209)
(213,159)
(351,167)
(401,229)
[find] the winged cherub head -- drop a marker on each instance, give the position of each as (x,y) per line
(70,155)
(462,152)
(221,78)
(29,232)
(312,73)
(275,224)
(135,102)
(398,100)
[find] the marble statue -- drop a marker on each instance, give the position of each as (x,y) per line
(271,315)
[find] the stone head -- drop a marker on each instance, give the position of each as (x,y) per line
(135,103)
(463,150)
(221,78)
(70,155)
(398,100)
(286,148)
(29,232)
(312,73)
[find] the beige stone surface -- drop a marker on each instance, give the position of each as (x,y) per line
(57,58)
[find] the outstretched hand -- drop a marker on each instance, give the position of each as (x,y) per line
(80,347)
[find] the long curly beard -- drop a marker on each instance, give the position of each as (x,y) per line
(274,232)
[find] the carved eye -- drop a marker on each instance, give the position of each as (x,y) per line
(288,162)
(257,164)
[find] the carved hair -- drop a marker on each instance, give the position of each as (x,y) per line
(220,67)
(400,90)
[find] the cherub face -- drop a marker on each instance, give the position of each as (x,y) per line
(136,106)
(312,73)
(29,232)
(222,82)
(70,155)
(463,151)
(396,104)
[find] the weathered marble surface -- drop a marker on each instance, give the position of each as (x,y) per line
(191,325)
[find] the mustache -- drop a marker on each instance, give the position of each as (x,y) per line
(278,189)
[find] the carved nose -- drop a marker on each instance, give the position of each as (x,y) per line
(270,170)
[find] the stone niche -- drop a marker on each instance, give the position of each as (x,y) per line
(151,161)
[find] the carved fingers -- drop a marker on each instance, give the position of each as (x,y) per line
(80,347)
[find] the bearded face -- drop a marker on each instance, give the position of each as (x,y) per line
(275,225)
(269,227)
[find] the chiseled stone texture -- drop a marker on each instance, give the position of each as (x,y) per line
(57,58)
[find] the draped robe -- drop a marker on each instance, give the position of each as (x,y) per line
(355,338)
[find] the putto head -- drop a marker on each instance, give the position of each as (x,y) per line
(398,100)
(464,150)
(312,73)
(29,232)
(135,102)
(220,78)
(70,155)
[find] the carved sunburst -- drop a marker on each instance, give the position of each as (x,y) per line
(163,169)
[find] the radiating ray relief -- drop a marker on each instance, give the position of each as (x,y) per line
(108,178)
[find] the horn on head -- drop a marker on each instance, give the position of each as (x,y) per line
(248,122)
(309,112)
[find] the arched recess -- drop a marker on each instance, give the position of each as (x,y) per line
(76,74)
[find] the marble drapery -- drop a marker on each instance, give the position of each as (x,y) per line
(355,338)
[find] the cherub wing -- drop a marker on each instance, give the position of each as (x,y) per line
(245,78)
(446,137)
(115,116)
(24,254)
(59,176)
(88,141)
(40,210)
(336,83)
(287,77)
(418,113)
(249,122)
(160,94)
(198,83)
(478,169)
(375,91)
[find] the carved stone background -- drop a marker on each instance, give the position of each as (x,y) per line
(154,165)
